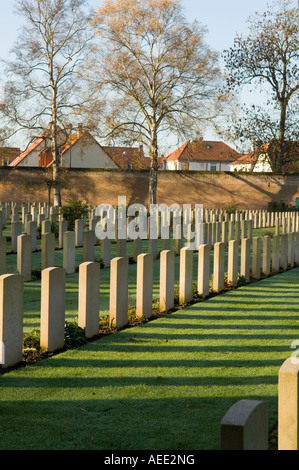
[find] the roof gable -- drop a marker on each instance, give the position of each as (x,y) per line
(25,154)
(127,157)
(267,152)
(201,150)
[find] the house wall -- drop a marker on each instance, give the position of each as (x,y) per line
(172,165)
(252,191)
(87,154)
(32,159)
(197,166)
(262,166)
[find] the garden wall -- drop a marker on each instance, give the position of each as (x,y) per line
(211,189)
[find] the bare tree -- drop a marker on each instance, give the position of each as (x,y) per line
(43,90)
(157,74)
(268,59)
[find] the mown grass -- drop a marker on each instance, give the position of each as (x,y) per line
(161,385)
(32,290)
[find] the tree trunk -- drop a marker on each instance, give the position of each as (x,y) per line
(281,138)
(153,177)
(55,155)
(54,144)
(57,194)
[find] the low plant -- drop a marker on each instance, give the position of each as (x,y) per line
(232,209)
(54,229)
(73,335)
(241,280)
(32,340)
(36,274)
(72,211)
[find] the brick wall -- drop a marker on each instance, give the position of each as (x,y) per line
(104,186)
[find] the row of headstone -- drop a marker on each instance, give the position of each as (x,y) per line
(206,233)
(261,218)
(284,254)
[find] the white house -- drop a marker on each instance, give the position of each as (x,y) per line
(260,160)
(200,155)
(252,162)
(82,150)
(30,157)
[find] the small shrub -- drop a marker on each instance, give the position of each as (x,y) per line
(55,229)
(36,274)
(32,340)
(39,232)
(241,280)
(73,336)
(232,209)
(275,206)
(72,211)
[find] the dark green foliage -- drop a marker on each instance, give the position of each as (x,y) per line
(73,336)
(241,280)
(72,211)
(232,209)
(275,206)
(36,274)
(54,229)
(32,339)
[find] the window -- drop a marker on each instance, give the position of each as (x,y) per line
(213,167)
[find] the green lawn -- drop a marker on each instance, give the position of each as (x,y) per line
(32,289)
(163,385)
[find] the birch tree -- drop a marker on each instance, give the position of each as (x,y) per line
(43,91)
(268,60)
(157,74)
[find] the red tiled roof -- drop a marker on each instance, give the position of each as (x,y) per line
(202,150)
(251,158)
(73,139)
(23,155)
(46,152)
(124,156)
(32,147)
(121,156)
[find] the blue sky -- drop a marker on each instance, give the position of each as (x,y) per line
(223,19)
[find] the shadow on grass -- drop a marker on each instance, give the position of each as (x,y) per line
(165,384)
(133,423)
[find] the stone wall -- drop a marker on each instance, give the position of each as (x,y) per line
(213,190)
